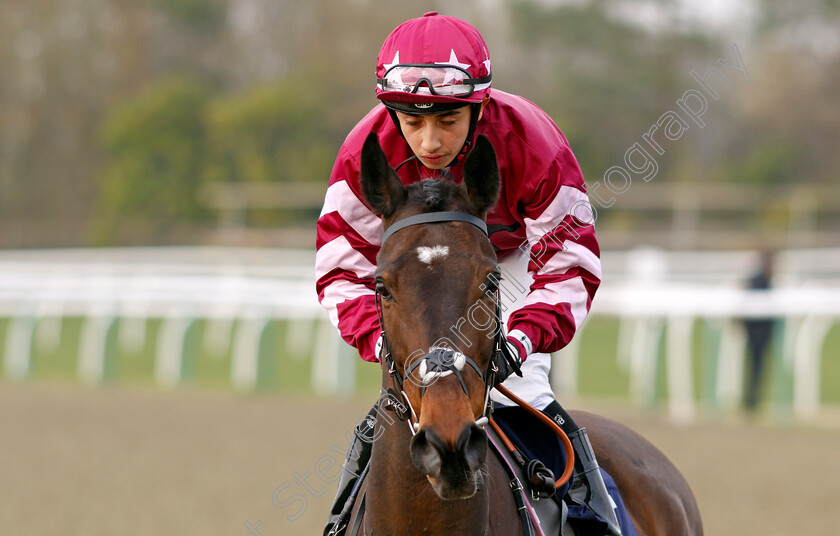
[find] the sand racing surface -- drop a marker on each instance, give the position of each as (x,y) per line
(140,461)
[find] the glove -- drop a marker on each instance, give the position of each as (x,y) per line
(509,359)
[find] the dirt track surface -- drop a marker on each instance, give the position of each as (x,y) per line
(109,461)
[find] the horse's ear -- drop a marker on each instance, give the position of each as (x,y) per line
(380,184)
(481,176)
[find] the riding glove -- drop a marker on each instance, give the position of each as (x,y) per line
(509,359)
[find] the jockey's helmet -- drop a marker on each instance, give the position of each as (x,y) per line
(432,64)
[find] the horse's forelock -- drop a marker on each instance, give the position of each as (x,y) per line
(435,194)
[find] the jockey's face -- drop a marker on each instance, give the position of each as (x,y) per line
(436,139)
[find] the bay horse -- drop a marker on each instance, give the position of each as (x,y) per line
(432,475)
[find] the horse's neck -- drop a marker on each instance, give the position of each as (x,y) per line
(400,500)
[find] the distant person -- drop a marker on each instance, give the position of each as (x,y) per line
(759,335)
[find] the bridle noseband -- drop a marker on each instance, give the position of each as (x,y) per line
(439,362)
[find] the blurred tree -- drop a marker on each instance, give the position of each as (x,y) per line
(62,64)
(772,160)
(271,132)
(603,76)
(289,79)
(801,22)
(797,70)
(157,145)
(198,14)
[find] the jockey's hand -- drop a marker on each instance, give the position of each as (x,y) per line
(509,360)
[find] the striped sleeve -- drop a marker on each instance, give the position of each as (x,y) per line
(564,257)
(347,241)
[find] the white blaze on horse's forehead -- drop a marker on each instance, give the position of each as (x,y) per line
(427,254)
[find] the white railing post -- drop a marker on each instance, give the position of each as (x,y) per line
(97,346)
(250,349)
(729,385)
(644,360)
(333,362)
(679,369)
(172,347)
(19,340)
(806,365)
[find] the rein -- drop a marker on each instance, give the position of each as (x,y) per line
(543,418)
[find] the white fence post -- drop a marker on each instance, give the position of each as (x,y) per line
(247,351)
(96,346)
(644,358)
(679,369)
(218,334)
(134,326)
(729,384)
(172,345)
(19,338)
(48,330)
(807,365)
(333,362)
(300,334)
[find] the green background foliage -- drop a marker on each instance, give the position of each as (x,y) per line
(117,114)
(157,144)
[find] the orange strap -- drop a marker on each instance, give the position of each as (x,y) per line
(567,445)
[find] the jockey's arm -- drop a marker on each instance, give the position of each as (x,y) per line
(564,258)
(347,241)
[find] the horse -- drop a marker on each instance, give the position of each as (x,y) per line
(430,472)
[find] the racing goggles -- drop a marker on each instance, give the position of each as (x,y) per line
(432,79)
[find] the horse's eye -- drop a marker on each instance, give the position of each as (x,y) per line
(382,290)
(491,285)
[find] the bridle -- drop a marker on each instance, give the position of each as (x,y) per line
(440,361)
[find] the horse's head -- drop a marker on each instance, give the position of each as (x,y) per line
(437,283)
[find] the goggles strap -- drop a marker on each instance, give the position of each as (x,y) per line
(476,110)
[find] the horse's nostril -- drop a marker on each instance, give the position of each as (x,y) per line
(472,445)
(426,452)
(430,453)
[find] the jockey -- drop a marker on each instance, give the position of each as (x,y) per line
(433,81)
